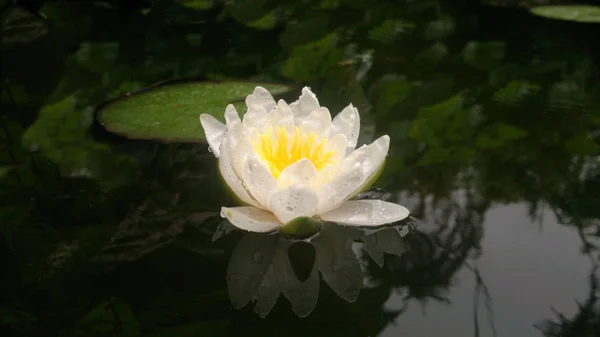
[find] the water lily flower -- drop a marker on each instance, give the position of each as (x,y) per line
(293,161)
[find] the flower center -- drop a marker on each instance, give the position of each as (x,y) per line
(280,150)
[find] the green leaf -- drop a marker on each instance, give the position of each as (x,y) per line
(581,13)
(170,112)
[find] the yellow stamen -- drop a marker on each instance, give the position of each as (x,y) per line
(279,153)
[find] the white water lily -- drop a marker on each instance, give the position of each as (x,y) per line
(291,161)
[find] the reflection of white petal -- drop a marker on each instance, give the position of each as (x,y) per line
(318,121)
(347,122)
(231,177)
(259,180)
(303,295)
(337,262)
(214,132)
(366,213)
(293,202)
(248,265)
(305,104)
(299,172)
(384,241)
(250,218)
(272,285)
(260,97)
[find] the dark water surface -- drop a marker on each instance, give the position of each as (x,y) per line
(493,115)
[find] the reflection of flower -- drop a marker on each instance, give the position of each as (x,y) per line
(261,267)
(290,161)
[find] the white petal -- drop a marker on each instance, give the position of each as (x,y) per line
(357,156)
(347,122)
(214,132)
(293,202)
(231,115)
(300,172)
(234,132)
(260,97)
(324,176)
(255,118)
(337,145)
(282,116)
(376,153)
(306,104)
(366,213)
(231,177)
(250,218)
(318,121)
(337,190)
(259,180)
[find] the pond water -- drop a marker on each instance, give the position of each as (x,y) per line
(110,224)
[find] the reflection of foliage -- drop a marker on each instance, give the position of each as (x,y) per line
(434,257)
(585,323)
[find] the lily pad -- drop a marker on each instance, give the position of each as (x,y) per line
(170,111)
(580,13)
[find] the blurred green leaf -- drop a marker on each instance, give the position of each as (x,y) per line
(484,55)
(18,25)
(4,170)
(312,27)
(388,91)
(208,328)
(439,28)
(515,91)
(314,60)
(580,13)
(197,4)
(249,11)
(498,135)
(109,318)
(170,112)
(432,121)
(390,30)
(98,56)
(581,144)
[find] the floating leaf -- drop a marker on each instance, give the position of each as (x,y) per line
(581,13)
(170,112)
